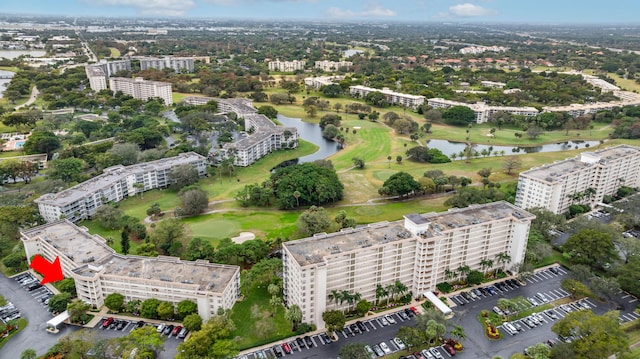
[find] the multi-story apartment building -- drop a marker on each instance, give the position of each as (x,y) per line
(493,84)
(483,111)
(418,252)
(318,82)
(99,271)
(329,66)
(115,184)
(178,64)
(262,135)
(395,98)
(585,179)
(97,78)
(141,89)
(286,66)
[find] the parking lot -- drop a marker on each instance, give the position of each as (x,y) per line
(378,333)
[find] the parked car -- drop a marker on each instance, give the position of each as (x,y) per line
(403,315)
(491,290)
(354,329)
(107,322)
(542,297)
(449,349)
(517,325)
(122,324)
(183,333)
(377,350)
(414,310)
(399,343)
(308,341)
(477,292)
(465,295)
(554,270)
(384,321)
(528,322)
(533,301)
(510,328)
(409,312)
(361,326)
(168,330)
(286,348)
(416,355)
(427,354)
(498,310)
(372,355)
(385,348)
(390,319)
(293,345)
(551,314)
(277,351)
(325,338)
(551,342)
(300,342)
(176,331)
(436,353)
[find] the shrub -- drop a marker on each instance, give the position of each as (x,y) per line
(444,287)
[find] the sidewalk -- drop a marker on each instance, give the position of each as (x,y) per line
(104,313)
(368,316)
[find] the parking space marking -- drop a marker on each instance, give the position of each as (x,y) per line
(633,300)
(313,341)
(373,326)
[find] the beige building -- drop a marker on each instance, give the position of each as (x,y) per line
(318,82)
(416,251)
(115,184)
(142,89)
(559,185)
(178,64)
(394,98)
(98,271)
(286,66)
(331,66)
(483,111)
(100,72)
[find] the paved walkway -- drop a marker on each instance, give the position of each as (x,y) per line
(32,98)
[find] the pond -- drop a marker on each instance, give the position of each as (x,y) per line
(311,132)
(5,78)
(12,54)
(449,147)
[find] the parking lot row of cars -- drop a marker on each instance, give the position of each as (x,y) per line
(374,350)
(176,331)
(9,312)
(508,285)
(32,284)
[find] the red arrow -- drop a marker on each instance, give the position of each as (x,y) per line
(52,272)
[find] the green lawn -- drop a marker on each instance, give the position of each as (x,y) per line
(21,323)
(253,309)
(114,52)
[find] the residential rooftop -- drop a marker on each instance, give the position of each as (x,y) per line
(560,169)
(314,249)
(114,174)
(91,254)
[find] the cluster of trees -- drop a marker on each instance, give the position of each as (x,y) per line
(213,340)
(392,291)
(294,186)
(401,124)
(426,155)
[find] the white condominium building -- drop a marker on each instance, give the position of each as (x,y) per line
(483,111)
(417,252)
(585,179)
(262,136)
(329,66)
(98,271)
(286,66)
(493,84)
(178,64)
(115,184)
(395,98)
(100,72)
(318,82)
(141,89)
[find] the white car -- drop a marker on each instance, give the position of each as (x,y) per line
(384,321)
(390,319)
(385,348)
(399,343)
(436,353)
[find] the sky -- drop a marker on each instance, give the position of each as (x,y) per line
(494,11)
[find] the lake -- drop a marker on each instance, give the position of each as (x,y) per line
(12,54)
(4,82)
(449,148)
(311,132)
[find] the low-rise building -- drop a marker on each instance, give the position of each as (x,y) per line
(483,111)
(142,89)
(418,251)
(286,66)
(394,98)
(99,271)
(493,84)
(115,184)
(584,179)
(318,82)
(178,64)
(330,66)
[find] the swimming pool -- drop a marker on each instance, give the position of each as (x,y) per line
(18,144)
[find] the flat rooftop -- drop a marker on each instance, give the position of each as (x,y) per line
(90,253)
(313,250)
(558,170)
(112,175)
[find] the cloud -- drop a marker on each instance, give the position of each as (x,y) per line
(469,10)
(373,10)
(151,7)
(238,2)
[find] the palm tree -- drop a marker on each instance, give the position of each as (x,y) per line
(458,332)
(273,289)
(503,258)
(294,315)
(380,293)
(348,297)
(139,188)
(335,296)
(356,298)
(28,354)
(463,270)
(391,291)
(400,287)
(296,194)
(449,274)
